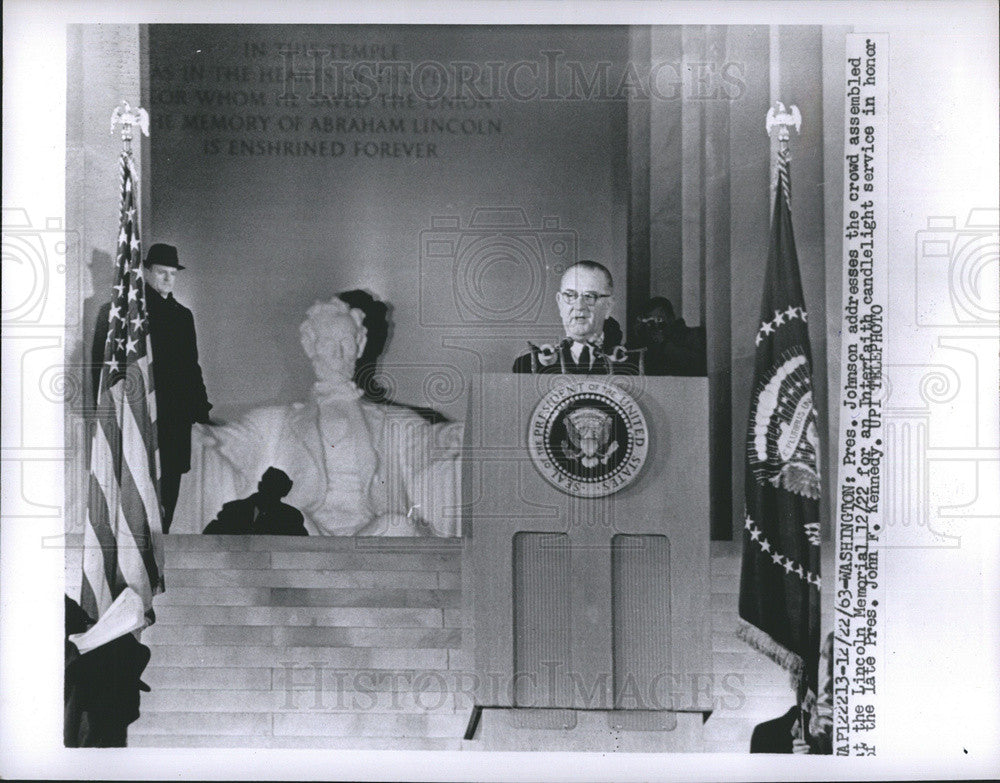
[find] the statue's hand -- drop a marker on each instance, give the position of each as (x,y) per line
(390,525)
(202,435)
(448,443)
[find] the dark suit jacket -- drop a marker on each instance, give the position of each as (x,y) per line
(774,736)
(100,687)
(683,352)
(181,398)
(236,518)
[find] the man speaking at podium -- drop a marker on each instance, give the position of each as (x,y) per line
(585,299)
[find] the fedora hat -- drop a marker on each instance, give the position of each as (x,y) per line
(164,255)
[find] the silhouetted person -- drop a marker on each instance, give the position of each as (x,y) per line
(262,513)
(672,347)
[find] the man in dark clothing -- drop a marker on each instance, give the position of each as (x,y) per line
(591,346)
(777,735)
(672,347)
(101,686)
(181,399)
(262,513)
(785,735)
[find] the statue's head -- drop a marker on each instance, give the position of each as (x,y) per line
(333,339)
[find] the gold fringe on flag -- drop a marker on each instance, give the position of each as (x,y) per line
(765,645)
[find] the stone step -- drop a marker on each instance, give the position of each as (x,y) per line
(359,617)
(325,560)
(213,635)
(233,724)
(344,699)
(272,657)
(311,578)
(218,678)
(384,638)
(364,544)
(374,560)
(178,595)
(289,642)
(725,583)
(302,636)
(369,725)
(724,602)
(322,743)
(306,678)
(197,542)
(302,724)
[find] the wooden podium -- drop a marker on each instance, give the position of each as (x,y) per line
(591,614)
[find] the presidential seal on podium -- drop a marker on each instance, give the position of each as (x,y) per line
(588,438)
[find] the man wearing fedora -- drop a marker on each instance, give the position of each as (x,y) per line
(181,398)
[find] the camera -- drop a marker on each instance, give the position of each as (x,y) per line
(32,258)
(957,283)
(493,271)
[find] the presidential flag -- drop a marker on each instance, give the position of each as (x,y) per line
(780,582)
(121,545)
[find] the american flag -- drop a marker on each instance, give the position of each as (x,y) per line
(121,546)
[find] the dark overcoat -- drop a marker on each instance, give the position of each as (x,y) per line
(774,736)
(181,398)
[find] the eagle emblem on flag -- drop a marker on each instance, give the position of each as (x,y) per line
(783,447)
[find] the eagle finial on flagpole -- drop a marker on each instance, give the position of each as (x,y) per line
(128,117)
(782,119)
(777,123)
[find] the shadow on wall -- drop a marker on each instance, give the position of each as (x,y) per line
(102,271)
(378,324)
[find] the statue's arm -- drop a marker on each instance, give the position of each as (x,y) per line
(244,443)
(432,471)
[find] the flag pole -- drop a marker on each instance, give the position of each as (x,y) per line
(777,123)
(122,546)
(128,118)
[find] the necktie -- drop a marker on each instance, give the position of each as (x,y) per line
(584,360)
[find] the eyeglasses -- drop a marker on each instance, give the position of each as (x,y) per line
(653,321)
(569,296)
